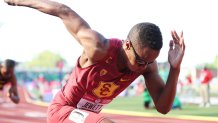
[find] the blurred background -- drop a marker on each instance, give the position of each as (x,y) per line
(46,53)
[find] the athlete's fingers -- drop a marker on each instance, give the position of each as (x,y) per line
(171,44)
(175,36)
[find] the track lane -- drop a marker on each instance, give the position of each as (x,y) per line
(26,112)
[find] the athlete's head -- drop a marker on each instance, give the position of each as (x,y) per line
(142,45)
(7,67)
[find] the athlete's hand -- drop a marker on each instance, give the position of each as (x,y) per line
(13,96)
(15,99)
(177,50)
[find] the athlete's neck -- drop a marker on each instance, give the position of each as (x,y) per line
(121,62)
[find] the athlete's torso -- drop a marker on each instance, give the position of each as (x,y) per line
(93,87)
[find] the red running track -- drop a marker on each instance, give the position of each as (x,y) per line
(29,113)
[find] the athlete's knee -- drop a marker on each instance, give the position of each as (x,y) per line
(106,120)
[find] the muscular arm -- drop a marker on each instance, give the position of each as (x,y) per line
(162,95)
(94,43)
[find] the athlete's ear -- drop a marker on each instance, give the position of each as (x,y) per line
(128,45)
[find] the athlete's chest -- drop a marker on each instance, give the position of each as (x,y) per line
(103,83)
(104,80)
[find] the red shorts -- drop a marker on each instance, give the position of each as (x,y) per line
(60,112)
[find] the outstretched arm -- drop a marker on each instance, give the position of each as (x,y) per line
(93,42)
(163,94)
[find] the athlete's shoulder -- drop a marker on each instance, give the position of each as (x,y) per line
(115,42)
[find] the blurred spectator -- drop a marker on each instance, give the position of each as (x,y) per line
(177,104)
(147,99)
(205,78)
(189,79)
(136,87)
(187,86)
(42,85)
(140,85)
(179,89)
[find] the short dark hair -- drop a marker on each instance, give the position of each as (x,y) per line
(8,63)
(147,35)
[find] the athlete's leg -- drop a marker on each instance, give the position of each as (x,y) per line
(68,114)
(106,120)
(61,112)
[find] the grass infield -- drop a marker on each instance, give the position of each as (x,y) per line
(134,105)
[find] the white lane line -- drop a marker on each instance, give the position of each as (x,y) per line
(9,113)
(35,114)
(7,120)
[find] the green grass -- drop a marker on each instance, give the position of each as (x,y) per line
(136,104)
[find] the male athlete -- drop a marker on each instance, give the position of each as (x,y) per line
(107,66)
(7,76)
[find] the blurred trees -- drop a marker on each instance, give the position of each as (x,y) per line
(213,65)
(46,59)
(216,61)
